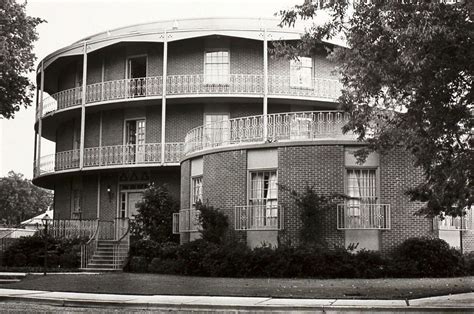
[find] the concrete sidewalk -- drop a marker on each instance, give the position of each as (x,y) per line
(463,303)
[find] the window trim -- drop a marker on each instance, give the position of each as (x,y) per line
(119,193)
(124,141)
(209,50)
(377,181)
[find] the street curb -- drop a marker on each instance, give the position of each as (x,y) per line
(65,302)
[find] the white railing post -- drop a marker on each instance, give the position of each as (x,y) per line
(163,96)
(265,85)
(83,106)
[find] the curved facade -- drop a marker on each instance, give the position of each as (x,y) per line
(202,106)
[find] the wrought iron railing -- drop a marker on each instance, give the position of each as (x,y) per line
(197,84)
(363,216)
(104,156)
(88,248)
(188,221)
(258,217)
(72,229)
(122,245)
(459,223)
(291,126)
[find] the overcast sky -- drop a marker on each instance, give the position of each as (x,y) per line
(71,20)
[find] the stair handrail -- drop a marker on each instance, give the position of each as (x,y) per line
(92,243)
(116,246)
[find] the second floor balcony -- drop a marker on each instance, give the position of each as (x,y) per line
(280,127)
(450,223)
(249,85)
(111,156)
(358,215)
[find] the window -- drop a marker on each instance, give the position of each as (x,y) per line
(135,140)
(130,196)
(263,198)
(301,72)
(136,71)
(361,189)
(196,191)
(216,67)
(216,129)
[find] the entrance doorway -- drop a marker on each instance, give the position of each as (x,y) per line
(130,196)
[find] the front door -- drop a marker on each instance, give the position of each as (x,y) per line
(133,199)
(135,141)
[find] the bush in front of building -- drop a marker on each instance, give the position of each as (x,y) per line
(235,259)
(154,220)
(29,252)
(427,257)
(213,222)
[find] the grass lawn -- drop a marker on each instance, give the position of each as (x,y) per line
(153,284)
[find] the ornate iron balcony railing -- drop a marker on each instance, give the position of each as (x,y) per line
(363,216)
(197,84)
(291,126)
(258,217)
(105,156)
(459,223)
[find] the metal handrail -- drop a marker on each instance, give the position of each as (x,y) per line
(116,247)
(85,251)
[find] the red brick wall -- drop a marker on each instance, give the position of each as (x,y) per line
(181,118)
(321,167)
(94,67)
(468,241)
(89,197)
(92,130)
(225,183)
(397,175)
(65,134)
(112,127)
(186,57)
(62,199)
(246,56)
(153,123)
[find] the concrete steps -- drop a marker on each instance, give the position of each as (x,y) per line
(103,258)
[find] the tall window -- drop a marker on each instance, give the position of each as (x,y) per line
(263,198)
(301,72)
(135,140)
(136,70)
(361,189)
(216,67)
(76,204)
(196,190)
(216,129)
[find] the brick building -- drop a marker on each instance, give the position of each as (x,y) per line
(202,106)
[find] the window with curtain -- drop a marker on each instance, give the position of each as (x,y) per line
(216,129)
(196,190)
(301,72)
(263,197)
(361,189)
(216,67)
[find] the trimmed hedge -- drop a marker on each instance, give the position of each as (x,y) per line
(29,252)
(202,258)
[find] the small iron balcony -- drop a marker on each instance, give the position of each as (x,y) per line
(258,217)
(363,216)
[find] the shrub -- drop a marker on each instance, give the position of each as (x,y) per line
(214,224)
(427,257)
(29,251)
(145,248)
(154,220)
(138,264)
(469,263)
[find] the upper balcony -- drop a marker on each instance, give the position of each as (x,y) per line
(105,157)
(280,127)
(181,86)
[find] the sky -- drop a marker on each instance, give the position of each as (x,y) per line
(71,20)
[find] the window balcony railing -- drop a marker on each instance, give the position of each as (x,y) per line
(363,216)
(449,223)
(187,220)
(258,217)
(292,126)
(116,155)
(198,84)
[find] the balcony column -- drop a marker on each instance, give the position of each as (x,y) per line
(265,85)
(83,106)
(40,120)
(163,97)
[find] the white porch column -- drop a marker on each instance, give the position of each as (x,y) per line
(40,120)
(83,106)
(265,85)
(163,97)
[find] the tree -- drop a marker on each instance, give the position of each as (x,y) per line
(407,83)
(155,215)
(17,34)
(20,199)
